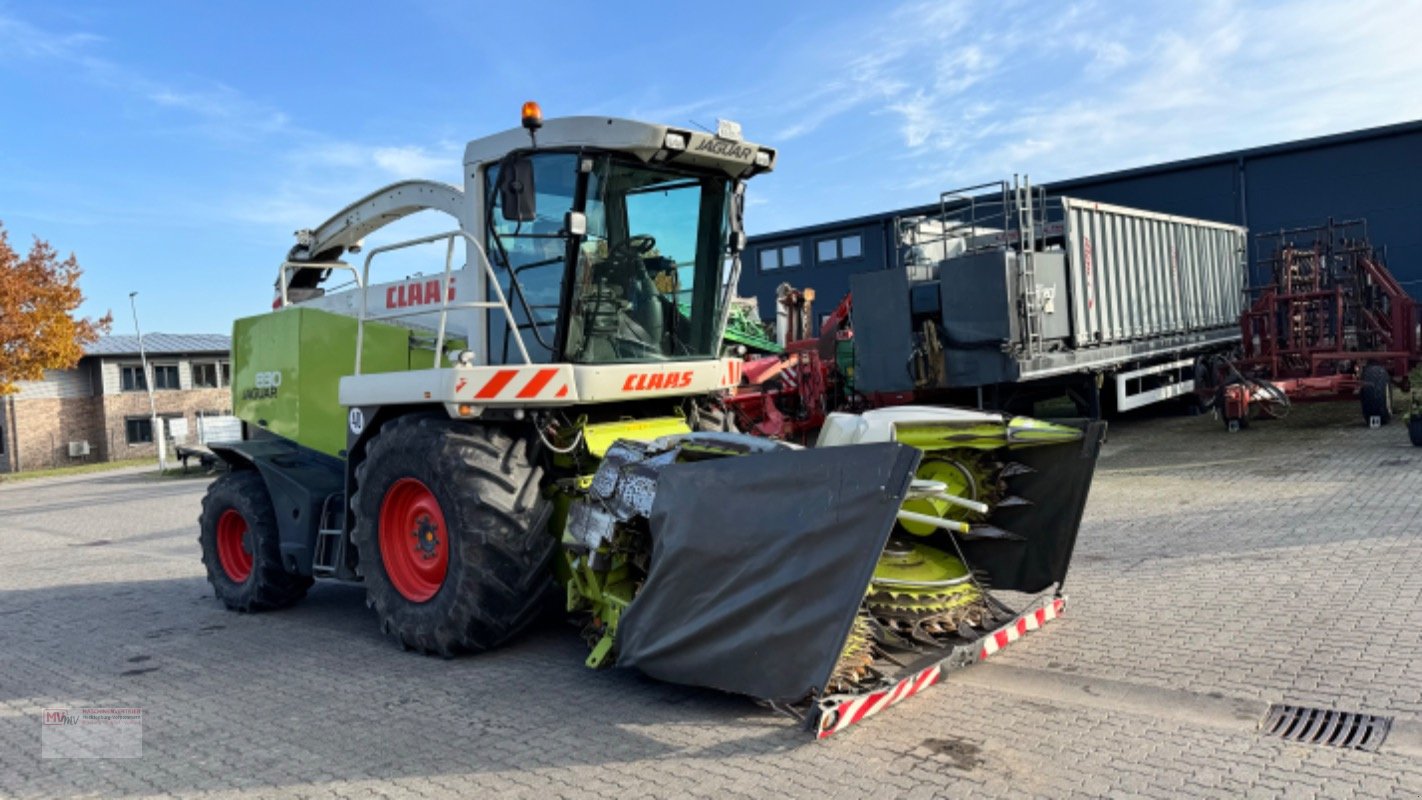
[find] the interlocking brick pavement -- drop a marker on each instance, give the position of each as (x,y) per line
(1277,564)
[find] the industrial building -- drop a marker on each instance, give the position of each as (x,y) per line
(1373,173)
(99,410)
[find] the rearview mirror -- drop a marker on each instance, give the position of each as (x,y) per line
(575,223)
(517,199)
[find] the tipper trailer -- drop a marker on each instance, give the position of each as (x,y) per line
(1018,293)
(538,422)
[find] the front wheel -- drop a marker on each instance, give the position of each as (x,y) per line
(241,546)
(451,529)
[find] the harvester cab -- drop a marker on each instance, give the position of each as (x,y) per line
(537,424)
(602,248)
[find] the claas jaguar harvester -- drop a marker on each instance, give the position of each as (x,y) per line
(535,422)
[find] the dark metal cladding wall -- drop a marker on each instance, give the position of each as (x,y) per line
(1380,180)
(1375,174)
(829,280)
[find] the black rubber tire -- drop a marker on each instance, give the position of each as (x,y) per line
(499,575)
(1414,431)
(268,586)
(1375,394)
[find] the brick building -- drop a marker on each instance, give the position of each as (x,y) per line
(99,410)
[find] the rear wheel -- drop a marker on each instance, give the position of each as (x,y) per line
(1375,394)
(241,546)
(452,533)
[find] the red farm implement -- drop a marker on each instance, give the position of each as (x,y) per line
(1332,323)
(787,396)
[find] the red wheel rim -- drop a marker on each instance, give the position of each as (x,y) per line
(234,548)
(414,541)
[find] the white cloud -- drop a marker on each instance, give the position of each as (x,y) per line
(313,174)
(412,161)
(215,110)
(19,39)
(320,176)
(978,92)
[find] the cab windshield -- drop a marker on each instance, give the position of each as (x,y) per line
(647,283)
(647,276)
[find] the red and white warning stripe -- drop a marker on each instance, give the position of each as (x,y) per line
(852,711)
(835,717)
(1014,630)
(527,383)
(733,372)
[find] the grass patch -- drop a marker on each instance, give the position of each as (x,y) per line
(77,469)
(194,471)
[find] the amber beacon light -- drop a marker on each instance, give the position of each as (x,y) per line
(532,116)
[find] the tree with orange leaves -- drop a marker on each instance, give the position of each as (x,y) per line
(38,329)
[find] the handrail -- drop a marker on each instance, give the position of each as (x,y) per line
(445,305)
(289,267)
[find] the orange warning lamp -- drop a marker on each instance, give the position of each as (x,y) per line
(532,116)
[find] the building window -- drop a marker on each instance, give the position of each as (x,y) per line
(851,247)
(138,430)
(165,376)
(132,378)
(226,369)
(838,249)
(773,258)
(205,376)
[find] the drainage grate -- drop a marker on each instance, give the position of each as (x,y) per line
(1324,727)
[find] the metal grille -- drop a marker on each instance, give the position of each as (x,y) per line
(1324,727)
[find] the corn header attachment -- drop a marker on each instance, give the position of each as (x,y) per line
(815,578)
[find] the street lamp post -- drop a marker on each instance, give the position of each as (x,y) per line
(156,426)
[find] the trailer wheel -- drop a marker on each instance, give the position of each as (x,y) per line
(451,528)
(241,546)
(1375,394)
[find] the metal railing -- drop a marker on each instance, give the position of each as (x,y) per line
(445,284)
(289,268)
(991,216)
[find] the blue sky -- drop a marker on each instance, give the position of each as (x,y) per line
(175,146)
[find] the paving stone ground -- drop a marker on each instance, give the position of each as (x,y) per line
(1280,564)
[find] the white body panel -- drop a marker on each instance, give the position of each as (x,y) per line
(402,300)
(1129,396)
(880,424)
(540,385)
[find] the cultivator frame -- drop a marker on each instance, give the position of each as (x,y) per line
(1332,323)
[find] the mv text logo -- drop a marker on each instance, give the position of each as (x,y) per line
(60,716)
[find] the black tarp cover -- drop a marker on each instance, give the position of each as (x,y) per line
(1056,490)
(759,564)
